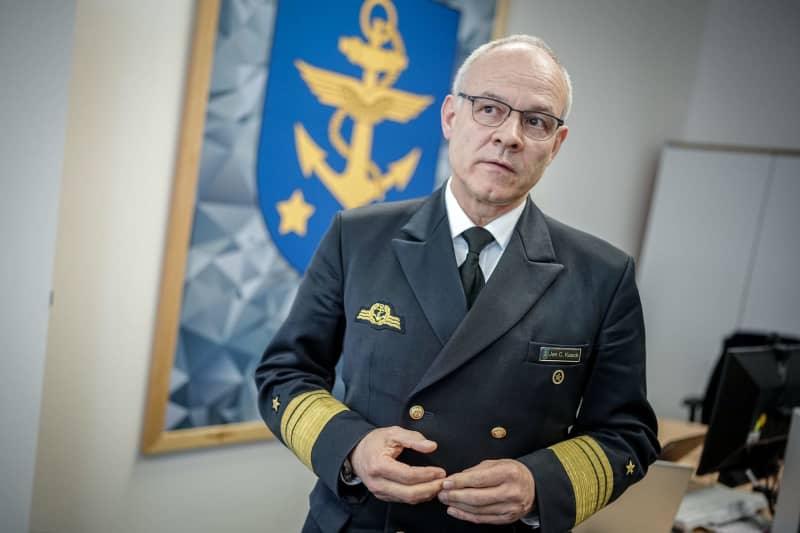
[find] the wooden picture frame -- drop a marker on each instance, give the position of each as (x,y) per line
(155,438)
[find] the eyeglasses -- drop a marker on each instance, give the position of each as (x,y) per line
(536,125)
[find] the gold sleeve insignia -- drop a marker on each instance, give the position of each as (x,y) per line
(304,419)
(589,471)
(379,316)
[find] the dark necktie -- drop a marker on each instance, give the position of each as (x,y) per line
(471,276)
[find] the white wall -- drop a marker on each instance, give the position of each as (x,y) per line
(35,43)
(696,263)
(748,76)
(130,61)
(634,65)
(746,94)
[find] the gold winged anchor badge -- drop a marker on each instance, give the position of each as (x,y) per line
(368,102)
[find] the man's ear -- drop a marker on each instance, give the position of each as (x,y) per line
(561,136)
(448,115)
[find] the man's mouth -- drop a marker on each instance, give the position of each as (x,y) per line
(499,163)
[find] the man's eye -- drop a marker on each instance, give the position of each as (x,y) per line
(488,109)
(537,122)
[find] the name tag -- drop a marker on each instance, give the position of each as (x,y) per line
(559,354)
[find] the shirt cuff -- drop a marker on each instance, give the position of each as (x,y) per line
(531,520)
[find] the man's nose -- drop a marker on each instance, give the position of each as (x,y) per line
(509,133)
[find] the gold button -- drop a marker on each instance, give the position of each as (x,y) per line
(558,377)
(416,412)
(499,432)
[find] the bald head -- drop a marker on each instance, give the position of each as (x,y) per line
(537,45)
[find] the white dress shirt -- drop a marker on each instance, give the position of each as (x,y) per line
(501,229)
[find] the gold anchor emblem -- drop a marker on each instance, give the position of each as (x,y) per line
(367,101)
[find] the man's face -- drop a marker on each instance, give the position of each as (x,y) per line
(494,168)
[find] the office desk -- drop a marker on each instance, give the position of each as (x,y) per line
(681,442)
(670,429)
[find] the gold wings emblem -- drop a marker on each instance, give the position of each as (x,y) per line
(372,104)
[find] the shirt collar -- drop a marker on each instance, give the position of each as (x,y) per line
(501,228)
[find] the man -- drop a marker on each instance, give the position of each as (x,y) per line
(504,407)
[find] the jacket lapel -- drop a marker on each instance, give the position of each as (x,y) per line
(526,270)
(425,252)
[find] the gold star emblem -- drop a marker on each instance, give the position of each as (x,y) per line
(294,214)
(629,468)
(276,403)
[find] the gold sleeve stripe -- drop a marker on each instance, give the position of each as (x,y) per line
(304,419)
(363,315)
(602,468)
(589,471)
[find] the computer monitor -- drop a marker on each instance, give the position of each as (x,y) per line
(787,511)
(749,424)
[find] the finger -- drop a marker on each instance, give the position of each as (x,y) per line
(402,473)
(479,476)
(411,439)
(423,446)
(495,509)
(390,491)
(480,518)
(473,497)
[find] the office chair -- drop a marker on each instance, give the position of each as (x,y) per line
(738,339)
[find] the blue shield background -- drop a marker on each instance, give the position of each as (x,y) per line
(310,31)
(238,287)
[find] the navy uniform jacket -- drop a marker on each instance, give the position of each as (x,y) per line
(550,359)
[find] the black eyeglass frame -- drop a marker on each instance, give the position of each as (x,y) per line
(472,98)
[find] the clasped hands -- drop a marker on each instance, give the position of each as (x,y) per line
(491,492)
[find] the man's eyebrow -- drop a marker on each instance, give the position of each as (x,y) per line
(537,108)
(490,94)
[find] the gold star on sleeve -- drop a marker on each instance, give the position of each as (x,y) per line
(295,213)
